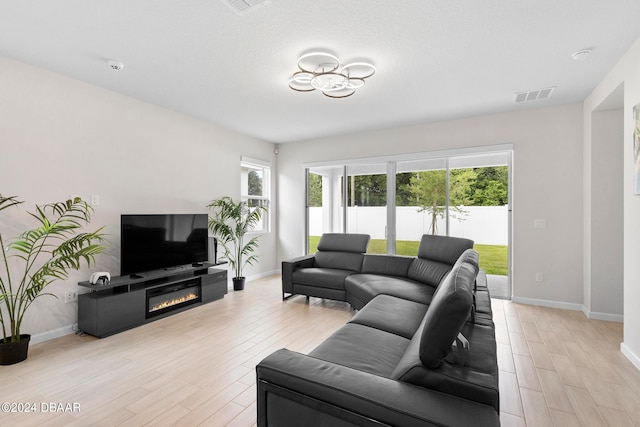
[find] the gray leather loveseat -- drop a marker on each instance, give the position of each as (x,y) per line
(420,351)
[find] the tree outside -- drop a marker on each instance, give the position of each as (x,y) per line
(485,186)
(467,187)
(255,183)
(315,190)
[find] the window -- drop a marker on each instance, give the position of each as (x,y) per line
(255,186)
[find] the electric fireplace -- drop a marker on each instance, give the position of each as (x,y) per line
(173,297)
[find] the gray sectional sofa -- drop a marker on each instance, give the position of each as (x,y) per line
(420,350)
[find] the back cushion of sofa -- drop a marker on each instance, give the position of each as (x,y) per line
(344,242)
(387,265)
(428,271)
(447,314)
(444,249)
(339,260)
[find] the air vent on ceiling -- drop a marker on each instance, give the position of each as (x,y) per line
(243,6)
(534,95)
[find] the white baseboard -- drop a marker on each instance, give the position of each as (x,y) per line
(254,276)
(570,306)
(548,303)
(49,335)
(264,274)
(619,318)
(633,358)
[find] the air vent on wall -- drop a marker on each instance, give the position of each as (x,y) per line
(534,95)
(243,6)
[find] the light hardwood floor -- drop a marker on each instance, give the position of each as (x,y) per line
(198,367)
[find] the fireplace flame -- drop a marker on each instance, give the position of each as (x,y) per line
(173,301)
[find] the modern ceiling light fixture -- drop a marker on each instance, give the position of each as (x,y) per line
(322,71)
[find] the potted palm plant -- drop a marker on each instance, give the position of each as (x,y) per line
(35,259)
(230,222)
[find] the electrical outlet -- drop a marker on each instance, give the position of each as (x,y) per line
(539,223)
(539,277)
(70,296)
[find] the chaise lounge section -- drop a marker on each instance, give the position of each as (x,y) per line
(414,354)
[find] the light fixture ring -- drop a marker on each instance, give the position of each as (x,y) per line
(300,87)
(302,76)
(360,70)
(309,62)
(342,93)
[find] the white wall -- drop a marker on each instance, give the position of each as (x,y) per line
(626,73)
(547,185)
(60,136)
(604,282)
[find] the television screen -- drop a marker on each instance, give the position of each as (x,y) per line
(155,242)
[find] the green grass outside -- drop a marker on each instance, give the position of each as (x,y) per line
(493,258)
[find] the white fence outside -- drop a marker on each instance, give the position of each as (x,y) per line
(483,224)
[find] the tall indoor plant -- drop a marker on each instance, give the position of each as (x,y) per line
(230,222)
(35,259)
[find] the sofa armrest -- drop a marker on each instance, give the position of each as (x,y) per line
(313,389)
(291,265)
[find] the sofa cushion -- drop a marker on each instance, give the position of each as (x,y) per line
(428,271)
(387,265)
(321,277)
(339,260)
(344,242)
(363,348)
(395,315)
(444,249)
(362,288)
(436,256)
(481,282)
(478,381)
(357,398)
(447,313)
(483,302)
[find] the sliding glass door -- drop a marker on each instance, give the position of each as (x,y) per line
(325,213)
(367,204)
(481,200)
(399,200)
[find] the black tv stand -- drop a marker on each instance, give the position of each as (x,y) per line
(196,264)
(133,300)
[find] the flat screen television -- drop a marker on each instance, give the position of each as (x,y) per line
(162,241)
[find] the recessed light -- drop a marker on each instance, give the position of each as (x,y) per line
(115,65)
(581,55)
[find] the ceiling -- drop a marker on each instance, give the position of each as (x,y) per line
(436,60)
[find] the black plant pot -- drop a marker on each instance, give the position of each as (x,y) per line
(14,352)
(238,283)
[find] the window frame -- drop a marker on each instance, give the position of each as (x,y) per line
(265,198)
